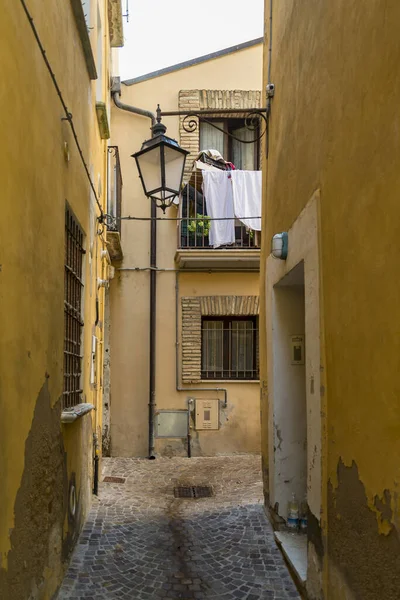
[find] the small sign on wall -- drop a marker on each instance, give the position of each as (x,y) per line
(297,349)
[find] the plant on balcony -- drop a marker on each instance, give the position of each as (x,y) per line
(201,226)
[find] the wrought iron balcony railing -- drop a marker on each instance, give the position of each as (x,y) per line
(114,193)
(195,225)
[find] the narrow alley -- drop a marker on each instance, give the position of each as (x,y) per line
(141,542)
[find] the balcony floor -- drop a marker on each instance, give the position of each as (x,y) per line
(247,259)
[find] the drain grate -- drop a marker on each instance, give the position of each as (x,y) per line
(196,491)
(204,491)
(114,479)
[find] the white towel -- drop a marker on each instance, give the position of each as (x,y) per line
(246,187)
(217,188)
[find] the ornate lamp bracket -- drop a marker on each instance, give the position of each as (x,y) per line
(255,119)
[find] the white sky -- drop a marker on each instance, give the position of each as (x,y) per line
(161,33)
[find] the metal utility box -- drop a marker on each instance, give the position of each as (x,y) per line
(207,414)
(172,424)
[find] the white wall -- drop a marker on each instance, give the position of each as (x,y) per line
(303,246)
(290,412)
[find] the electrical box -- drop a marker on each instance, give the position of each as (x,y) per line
(207,414)
(172,424)
(297,349)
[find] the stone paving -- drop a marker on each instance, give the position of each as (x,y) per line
(142,543)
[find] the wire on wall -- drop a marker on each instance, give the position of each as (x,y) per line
(68,115)
(129,218)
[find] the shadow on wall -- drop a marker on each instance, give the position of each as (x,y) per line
(41,503)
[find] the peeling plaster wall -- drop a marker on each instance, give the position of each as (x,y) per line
(372,528)
(329,132)
(40,458)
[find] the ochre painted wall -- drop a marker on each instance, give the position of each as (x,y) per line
(130,290)
(39,457)
(335,125)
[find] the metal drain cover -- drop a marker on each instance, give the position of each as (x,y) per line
(196,491)
(114,479)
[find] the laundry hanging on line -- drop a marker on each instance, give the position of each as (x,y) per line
(246,191)
(230,194)
(217,188)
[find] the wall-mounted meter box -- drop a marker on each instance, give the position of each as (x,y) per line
(207,416)
(297,349)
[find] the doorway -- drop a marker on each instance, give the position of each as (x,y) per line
(290,404)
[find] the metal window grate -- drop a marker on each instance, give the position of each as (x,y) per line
(194,491)
(229,348)
(112,479)
(73,322)
(114,196)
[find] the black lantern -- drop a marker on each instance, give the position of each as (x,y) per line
(160,163)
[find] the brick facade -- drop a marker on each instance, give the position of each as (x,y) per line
(195,307)
(192,100)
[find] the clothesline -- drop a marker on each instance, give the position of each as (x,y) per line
(129,218)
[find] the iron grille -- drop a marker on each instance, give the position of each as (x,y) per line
(229,348)
(195,224)
(195,491)
(73,322)
(114,196)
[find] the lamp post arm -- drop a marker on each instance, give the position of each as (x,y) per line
(252,118)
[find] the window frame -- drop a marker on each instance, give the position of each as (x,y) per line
(229,125)
(74,292)
(226,373)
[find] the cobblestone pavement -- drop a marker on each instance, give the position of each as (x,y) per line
(141,543)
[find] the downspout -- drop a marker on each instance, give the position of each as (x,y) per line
(153,316)
(116,92)
(179,388)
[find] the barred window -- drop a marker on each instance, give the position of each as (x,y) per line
(73,321)
(229,348)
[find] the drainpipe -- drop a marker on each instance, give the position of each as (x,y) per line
(179,388)
(116,92)
(96,461)
(153,315)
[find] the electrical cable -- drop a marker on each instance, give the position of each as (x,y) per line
(68,115)
(129,218)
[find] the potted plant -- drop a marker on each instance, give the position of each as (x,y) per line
(199,229)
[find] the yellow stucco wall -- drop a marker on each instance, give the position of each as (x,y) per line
(130,290)
(38,455)
(334,126)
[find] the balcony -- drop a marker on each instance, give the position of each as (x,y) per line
(114,198)
(194,248)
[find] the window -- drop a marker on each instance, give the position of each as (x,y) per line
(229,348)
(243,156)
(114,193)
(73,322)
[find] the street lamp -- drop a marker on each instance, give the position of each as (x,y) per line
(161,162)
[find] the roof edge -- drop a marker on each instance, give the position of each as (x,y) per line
(194,61)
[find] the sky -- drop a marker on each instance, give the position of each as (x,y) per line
(161,33)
